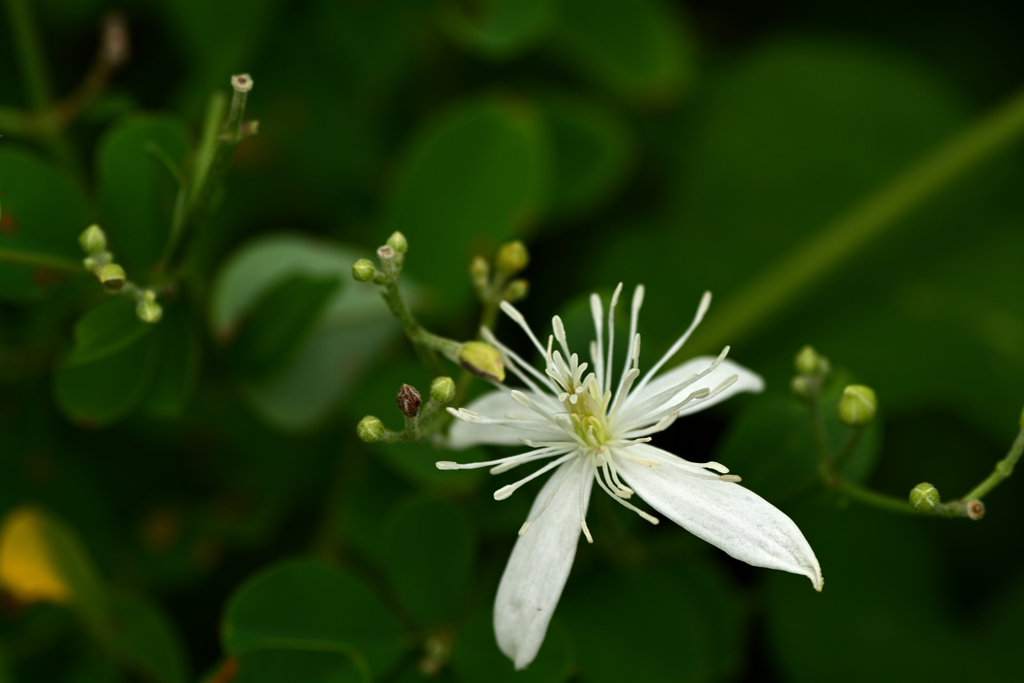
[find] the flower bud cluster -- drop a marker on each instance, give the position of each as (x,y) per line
(493,282)
(112,276)
(421,420)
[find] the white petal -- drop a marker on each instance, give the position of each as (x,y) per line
(724,514)
(499,404)
(747,380)
(540,564)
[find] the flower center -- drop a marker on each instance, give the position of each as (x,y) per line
(584,403)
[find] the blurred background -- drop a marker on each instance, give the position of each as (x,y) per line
(198,485)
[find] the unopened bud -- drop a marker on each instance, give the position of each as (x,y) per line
(149,311)
(386,253)
(409,400)
(800,386)
(93,240)
(442,390)
(398,242)
(924,497)
(111,276)
(975,509)
(516,291)
(479,271)
(483,360)
(858,406)
(241,82)
(511,258)
(370,429)
(363,270)
(809,363)
(90,263)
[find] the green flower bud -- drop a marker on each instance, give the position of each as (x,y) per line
(409,400)
(479,271)
(90,263)
(511,258)
(516,291)
(858,406)
(93,240)
(111,276)
(149,311)
(363,270)
(370,429)
(801,387)
(442,390)
(483,360)
(924,497)
(398,242)
(809,363)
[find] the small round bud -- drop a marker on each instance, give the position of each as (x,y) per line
(370,429)
(111,276)
(511,258)
(483,360)
(93,240)
(516,291)
(809,363)
(363,270)
(442,390)
(409,400)
(479,271)
(924,497)
(858,406)
(90,263)
(800,386)
(398,242)
(149,311)
(975,509)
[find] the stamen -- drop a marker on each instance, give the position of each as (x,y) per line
(524,400)
(532,456)
(506,491)
(597,346)
(489,337)
(586,531)
(518,318)
(702,308)
(726,383)
(638,300)
(648,517)
(611,334)
(559,330)
(500,462)
(731,478)
(667,394)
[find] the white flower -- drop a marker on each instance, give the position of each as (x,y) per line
(594,429)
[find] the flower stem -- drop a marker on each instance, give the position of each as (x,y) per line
(848,448)
(839,241)
(41,260)
(1003,469)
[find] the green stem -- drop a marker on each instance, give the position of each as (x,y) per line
(848,448)
(874,499)
(426,343)
(1003,469)
(841,240)
(819,431)
(41,260)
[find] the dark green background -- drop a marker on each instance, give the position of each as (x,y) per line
(209,465)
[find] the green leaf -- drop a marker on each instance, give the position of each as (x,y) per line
(481,168)
(104,330)
(351,331)
(638,49)
(686,623)
(177,372)
(43,214)
(143,640)
(428,551)
(280,323)
(477,658)
(593,152)
(137,192)
(499,29)
(103,391)
(311,617)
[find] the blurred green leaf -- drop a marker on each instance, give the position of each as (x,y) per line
(638,49)
(477,658)
(311,617)
(684,625)
(593,153)
(104,330)
(428,549)
(883,600)
(479,169)
(770,444)
(136,190)
(351,330)
(100,392)
(498,29)
(143,640)
(178,370)
(280,323)
(43,214)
